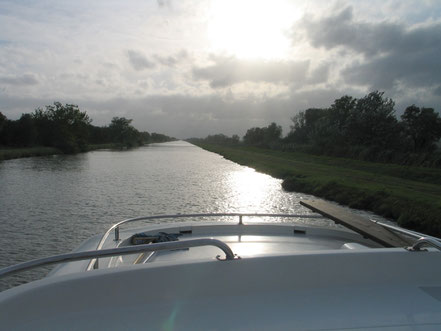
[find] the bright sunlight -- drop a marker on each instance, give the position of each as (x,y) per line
(251,29)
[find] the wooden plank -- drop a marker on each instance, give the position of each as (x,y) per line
(357,223)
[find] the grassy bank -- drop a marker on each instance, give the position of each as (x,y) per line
(16,153)
(409,195)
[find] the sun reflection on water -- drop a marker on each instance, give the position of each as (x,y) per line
(251,191)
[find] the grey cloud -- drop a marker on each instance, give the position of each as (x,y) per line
(228,71)
(392,52)
(26,79)
(341,30)
(414,69)
(163,3)
(319,74)
(171,60)
(139,61)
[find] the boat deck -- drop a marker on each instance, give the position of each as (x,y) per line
(270,276)
(251,240)
(318,290)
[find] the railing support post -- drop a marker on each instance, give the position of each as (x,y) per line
(424,241)
(240,220)
(116,233)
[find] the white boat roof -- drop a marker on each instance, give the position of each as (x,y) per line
(338,289)
(288,277)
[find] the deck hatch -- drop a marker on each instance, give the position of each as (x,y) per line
(433,291)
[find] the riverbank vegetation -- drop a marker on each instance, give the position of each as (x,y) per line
(368,129)
(409,195)
(363,129)
(355,152)
(16,153)
(66,129)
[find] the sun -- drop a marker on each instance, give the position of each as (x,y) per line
(251,29)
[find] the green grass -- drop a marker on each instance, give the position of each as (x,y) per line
(15,153)
(409,195)
(101,146)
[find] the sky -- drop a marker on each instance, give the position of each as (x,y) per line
(194,68)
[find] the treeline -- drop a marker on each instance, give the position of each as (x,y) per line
(365,129)
(219,139)
(69,129)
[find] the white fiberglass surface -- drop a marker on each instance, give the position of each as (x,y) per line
(244,246)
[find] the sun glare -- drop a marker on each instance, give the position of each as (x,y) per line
(251,29)
(251,190)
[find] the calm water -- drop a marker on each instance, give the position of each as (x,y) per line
(49,205)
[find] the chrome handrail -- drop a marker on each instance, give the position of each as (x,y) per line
(409,233)
(424,241)
(78,256)
(116,226)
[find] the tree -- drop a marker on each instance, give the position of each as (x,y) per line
(123,133)
(329,129)
(26,132)
(254,136)
(373,122)
(272,134)
(264,137)
(160,138)
(235,139)
(145,136)
(340,112)
(422,126)
(304,124)
(44,127)
(64,127)
(3,120)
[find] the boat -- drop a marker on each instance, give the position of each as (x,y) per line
(236,271)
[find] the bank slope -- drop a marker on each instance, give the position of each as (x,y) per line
(409,195)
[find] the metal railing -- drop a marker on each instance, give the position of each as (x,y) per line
(406,232)
(78,256)
(115,227)
(424,242)
(423,239)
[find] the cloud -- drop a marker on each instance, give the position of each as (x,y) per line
(117,60)
(319,74)
(392,53)
(340,30)
(21,80)
(171,60)
(415,69)
(227,71)
(139,61)
(163,3)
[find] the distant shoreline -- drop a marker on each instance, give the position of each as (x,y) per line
(18,153)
